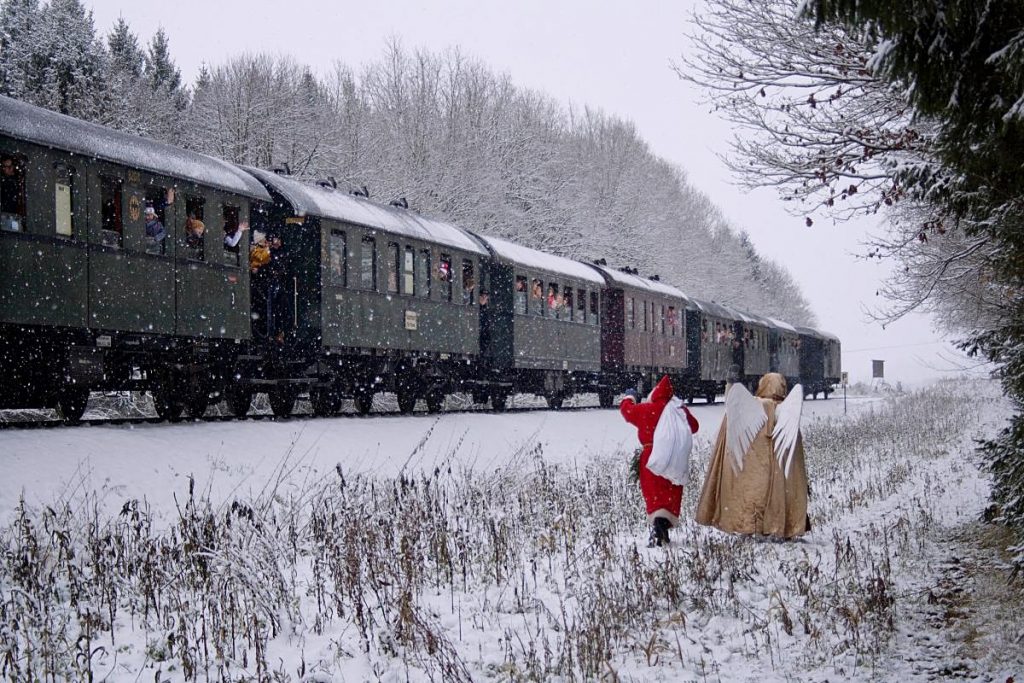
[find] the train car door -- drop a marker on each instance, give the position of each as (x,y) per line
(212,265)
(131,273)
(42,237)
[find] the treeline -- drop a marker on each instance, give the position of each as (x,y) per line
(453,137)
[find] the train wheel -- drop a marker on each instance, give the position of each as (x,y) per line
(167,406)
(435,402)
(479,397)
(71,404)
(196,404)
(406,402)
(325,402)
(605,398)
(710,398)
(282,400)
(555,401)
(363,403)
(239,401)
(499,401)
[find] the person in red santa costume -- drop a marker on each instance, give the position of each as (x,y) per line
(662,496)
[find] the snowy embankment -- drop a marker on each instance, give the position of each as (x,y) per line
(472,547)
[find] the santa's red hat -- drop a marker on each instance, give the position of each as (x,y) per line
(662,392)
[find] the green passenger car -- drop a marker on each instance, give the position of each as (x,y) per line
(90,297)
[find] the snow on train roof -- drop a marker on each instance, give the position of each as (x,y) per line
(327,202)
(638,282)
(810,331)
(782,324)
(531,258)
(41,126)
(715,309)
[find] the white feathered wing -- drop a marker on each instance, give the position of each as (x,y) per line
(744,418)
(787,427)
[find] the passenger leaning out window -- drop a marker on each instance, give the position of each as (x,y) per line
(155,232)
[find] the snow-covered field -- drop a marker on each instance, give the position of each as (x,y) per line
(495,546)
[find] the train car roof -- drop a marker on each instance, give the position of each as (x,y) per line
(638,282)
(327,202)
(782,324)
(714,308)
(43,127)
(532,258)
(816,333)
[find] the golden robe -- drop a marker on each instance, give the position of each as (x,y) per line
(758,499)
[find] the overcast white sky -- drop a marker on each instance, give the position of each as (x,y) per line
(613,56)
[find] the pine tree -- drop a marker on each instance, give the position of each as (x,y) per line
(962,63)
(17,20)
(161,71)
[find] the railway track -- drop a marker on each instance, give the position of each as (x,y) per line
(42,422)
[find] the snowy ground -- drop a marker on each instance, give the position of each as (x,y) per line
(495,546)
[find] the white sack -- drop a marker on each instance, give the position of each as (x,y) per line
(673,441)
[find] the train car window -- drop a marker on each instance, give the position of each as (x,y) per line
(13,209)
(468,282)
(537,297)
(424,273)
(155,232)
(64,214)
(554,300)
(593,308)
(111,223)
(195,228)
(444,275)
(520,294)
(581,305)
(631,313)
(337,248)
(567,310)
(393,267)
(233,231)
(368,264)
(673,321)
(409,272)
(643,304)
(663,319)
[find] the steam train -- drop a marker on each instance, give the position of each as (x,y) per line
(362,297)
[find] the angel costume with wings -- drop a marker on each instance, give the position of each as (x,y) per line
(757,482)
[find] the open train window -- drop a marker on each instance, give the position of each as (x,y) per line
(654,318)
(663,319)
(581,305)
(444,275)
(64,214)
(111,223)
(12,193)
(424,273)
(673,321)
(393,267)
(631,313)
(643,304)
(337,247)
(195,227)
(537,297)
(593,308)
(409,272)
(233,231)
(368,264)
(554,300)
(567,310)
(155,232)
(468,282)
(520,294)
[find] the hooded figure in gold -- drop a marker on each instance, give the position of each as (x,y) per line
(761,486)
